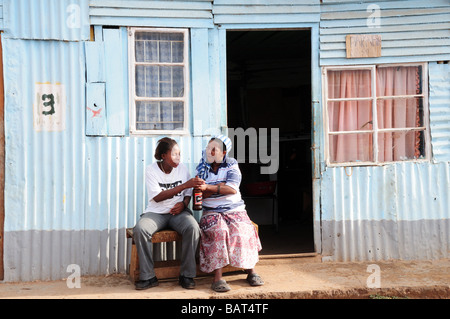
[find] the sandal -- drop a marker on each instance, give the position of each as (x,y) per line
(220,286)
(255,280)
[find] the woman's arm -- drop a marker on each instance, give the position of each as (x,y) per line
(163,195)
(221,188)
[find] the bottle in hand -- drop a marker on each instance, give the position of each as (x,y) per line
(198,199)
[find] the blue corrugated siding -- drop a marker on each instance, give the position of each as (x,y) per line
(439,110)
(47,19)
(44,173)
(398,211)
(1,14)
(229,12)
(404,191)
(411,31)
(69,197)
(157,13)
(44,170)
(66,189)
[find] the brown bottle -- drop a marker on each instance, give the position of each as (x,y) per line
(198,199)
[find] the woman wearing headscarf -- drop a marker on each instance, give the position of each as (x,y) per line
(228,236)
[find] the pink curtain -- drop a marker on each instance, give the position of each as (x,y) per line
(350,115)
(397,113)
(357,115)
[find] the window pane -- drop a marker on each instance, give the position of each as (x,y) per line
(165,36)
(401,146)
(151,51)
(350,116)
(159,115)
(159,47)
(349,84)
(178,112)
(159,81)
(140,51)
(400,113)
(166,112)
(178,81)
(147,51)
(351,148)
(165,51)
(178,52)
(399,80)
(147,81)
(147,115)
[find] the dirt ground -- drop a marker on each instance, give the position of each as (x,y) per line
(285,278)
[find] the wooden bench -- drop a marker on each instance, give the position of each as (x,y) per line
(164,269)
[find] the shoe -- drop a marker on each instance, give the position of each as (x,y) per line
(220,286)
(145,284)
(186,283)
(255,280)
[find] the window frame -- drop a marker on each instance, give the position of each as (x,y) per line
(374,98)
(132,81)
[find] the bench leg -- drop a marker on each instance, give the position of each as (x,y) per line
(134,264)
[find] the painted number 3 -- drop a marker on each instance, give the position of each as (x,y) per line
(49,101)
(50,107)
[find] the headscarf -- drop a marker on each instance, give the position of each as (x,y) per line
(204,167)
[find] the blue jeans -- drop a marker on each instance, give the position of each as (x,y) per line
(183,223)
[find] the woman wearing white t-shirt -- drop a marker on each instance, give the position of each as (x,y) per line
(169,189)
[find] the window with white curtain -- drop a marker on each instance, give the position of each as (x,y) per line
(376,114)
(158,80)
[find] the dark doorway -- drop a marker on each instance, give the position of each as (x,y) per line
(269,86)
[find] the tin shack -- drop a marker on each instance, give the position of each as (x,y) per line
(344,106)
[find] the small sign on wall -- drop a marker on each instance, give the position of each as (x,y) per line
(49,107)
(363,45)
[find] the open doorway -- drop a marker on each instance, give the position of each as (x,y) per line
(269,86)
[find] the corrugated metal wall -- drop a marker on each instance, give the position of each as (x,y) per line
(1,14)
(439,110)
(69,197)
(115,196)
(411,31)
(397,211)
(47,19)
(45,170)
(159,13)
(236,12)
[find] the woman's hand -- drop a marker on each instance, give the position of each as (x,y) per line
(195,182)
(178,208)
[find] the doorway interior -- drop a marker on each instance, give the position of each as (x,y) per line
(269,86)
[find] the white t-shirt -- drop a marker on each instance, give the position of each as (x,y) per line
(157,181)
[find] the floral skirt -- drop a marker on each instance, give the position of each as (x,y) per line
(228,239)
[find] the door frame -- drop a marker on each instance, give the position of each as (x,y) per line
(317,137)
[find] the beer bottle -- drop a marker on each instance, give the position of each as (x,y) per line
(198,199)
